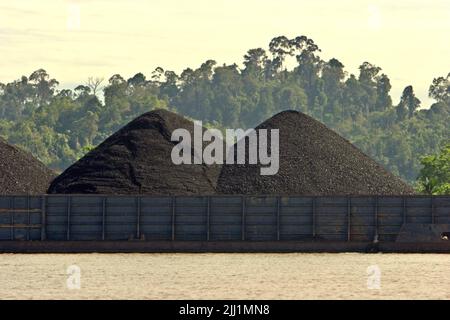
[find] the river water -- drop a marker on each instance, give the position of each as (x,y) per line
(225,276)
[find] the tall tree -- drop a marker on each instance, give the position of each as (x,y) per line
(44,86)
(95,84)
(368,79)
(383,100)
(409,103)
(255,61)
(440,89)
(279,47)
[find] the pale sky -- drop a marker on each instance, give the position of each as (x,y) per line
(76,39)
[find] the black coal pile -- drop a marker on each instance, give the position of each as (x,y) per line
(314,160)
(21,173)
(137,160)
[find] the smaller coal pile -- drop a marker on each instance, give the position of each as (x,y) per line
(21,173)
(313,160)
(137,160)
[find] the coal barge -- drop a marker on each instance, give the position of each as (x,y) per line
(102,223)
(328,196)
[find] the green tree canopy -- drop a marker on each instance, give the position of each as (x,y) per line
(434,177)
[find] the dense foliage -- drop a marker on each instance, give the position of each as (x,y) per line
(434,177)
(58,126)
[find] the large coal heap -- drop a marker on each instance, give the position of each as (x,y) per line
(21,173)
(137,160)
(314,160)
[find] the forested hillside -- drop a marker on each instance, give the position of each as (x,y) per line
(59,125)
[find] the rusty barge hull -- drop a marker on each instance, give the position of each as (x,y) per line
(218,247)
(111,223)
